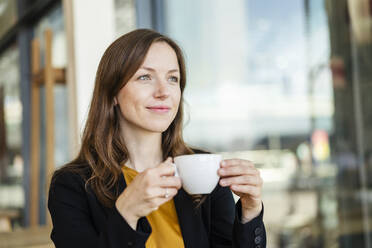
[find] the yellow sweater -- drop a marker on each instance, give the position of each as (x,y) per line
(166,231)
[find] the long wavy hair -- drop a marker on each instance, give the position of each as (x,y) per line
(103,149)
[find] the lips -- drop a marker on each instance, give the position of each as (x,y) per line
(159,109)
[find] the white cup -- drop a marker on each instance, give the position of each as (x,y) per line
(198,172)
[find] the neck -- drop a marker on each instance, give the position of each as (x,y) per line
(144,148)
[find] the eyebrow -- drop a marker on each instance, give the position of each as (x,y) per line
(152,69)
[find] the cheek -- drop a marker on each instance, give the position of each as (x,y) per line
(177,97)
(127,102)
(130,106)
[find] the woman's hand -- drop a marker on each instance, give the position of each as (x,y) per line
(148,190)
(245,181)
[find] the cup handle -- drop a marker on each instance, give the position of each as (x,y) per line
(175,170)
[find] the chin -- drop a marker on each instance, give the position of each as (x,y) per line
(157,127)
(156,130)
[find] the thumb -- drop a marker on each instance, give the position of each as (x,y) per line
(166,162)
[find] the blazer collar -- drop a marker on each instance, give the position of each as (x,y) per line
(122,183)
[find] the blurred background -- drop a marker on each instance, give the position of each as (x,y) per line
(285,84)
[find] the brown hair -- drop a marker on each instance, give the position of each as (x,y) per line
(103,150)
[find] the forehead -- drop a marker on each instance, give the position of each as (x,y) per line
(161,56)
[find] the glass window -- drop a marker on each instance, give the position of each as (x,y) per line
(125,16)
(8,15)
(287,85)
(55,22)
(11,162)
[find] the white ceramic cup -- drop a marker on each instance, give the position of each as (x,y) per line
(198,172)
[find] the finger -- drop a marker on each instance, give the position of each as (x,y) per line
(169,160)
(165,169)
(155,203)
(243,179)
(237,170)
(236,161)
(170,182)
(166,192)
(253,191)
(159,192)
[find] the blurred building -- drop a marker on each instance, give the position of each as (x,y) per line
(285,84)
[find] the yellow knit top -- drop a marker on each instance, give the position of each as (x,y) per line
(166,231)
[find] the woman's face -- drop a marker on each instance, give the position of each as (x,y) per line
(150,99)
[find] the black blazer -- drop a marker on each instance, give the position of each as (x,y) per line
(80,220)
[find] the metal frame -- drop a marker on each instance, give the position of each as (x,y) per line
(24,39)
(150,14)
(359,129)
(28,16)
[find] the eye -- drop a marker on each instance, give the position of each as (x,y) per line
(144,77)
(174,79)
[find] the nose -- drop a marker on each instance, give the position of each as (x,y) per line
(161,89)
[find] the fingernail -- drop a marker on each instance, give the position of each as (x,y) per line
(223,182)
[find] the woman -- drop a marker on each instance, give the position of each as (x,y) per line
(121,191)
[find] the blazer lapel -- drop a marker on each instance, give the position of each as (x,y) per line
(122,183)
(190,221)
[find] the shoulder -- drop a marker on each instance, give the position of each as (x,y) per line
(68,194)
(71,176)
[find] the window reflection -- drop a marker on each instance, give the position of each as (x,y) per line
(11,162)
(279,83)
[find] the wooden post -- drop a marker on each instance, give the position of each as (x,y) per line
(35,135)
(49,110)
(48,77)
